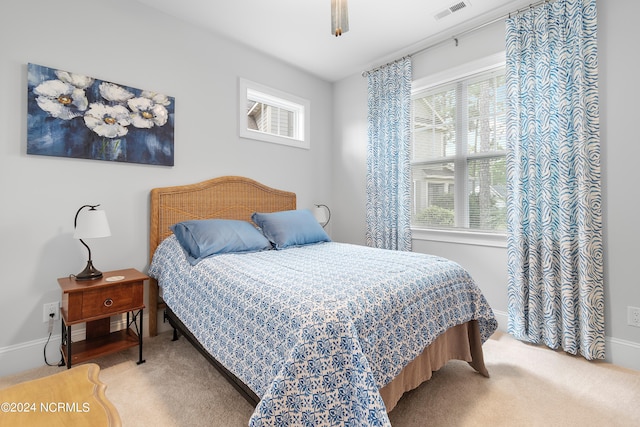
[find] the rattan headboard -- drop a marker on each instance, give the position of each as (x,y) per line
(227,197)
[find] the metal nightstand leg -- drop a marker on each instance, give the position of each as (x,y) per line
(140,360)
(66,342)
(135,321)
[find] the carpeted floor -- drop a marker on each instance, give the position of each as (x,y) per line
(529,386)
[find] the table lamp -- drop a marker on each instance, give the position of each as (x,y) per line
(322,213)
(90,225)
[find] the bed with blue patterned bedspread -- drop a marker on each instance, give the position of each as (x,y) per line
(316,331)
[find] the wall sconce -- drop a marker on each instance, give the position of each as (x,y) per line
(322,213)
(339,17)
(90,225)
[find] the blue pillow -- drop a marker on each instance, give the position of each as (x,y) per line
(290,228)
(207,237)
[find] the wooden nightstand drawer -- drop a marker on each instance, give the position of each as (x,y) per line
(112,300)
(90,300)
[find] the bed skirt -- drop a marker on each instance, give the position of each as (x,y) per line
(461,342)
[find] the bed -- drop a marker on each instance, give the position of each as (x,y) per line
(324,333)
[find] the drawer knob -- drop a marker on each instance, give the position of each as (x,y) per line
(108,302)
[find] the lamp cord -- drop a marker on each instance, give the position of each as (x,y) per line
(61,363)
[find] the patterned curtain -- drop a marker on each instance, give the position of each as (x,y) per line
(388,168)
(554,245)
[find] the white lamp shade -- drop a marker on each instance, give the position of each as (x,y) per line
(321,214)
(91,224)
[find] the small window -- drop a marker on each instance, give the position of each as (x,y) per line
(273,116)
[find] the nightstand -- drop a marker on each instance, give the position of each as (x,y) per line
(94,302)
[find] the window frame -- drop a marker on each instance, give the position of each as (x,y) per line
(249,90)
(459,235)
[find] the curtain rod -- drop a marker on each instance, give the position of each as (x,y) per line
(463,33)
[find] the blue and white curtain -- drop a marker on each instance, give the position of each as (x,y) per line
(555,291)
(388,169)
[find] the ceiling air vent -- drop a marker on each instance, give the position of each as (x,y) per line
(452,9)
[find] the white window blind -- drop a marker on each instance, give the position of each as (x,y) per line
(270,115)
(458,154)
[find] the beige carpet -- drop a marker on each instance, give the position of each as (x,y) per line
(529,386)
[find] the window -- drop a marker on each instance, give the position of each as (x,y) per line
(458,154)
(273,116)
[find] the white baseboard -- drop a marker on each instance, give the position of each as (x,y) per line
(502,317)
(617,351)
(622,353)
(28,355)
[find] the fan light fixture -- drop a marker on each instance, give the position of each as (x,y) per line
(339,17)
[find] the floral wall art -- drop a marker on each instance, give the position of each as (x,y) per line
(72,115)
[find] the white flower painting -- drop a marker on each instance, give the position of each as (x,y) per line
(72,115)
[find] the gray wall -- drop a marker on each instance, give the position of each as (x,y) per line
(620,154)
(124,42)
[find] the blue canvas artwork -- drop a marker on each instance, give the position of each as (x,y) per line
(72,115)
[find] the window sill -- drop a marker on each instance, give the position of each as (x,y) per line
(460,237)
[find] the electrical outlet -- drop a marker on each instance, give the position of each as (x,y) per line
(47,309)
(633,316)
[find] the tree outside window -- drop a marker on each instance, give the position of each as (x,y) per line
(458,154)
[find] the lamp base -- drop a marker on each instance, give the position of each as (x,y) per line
(89,272)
